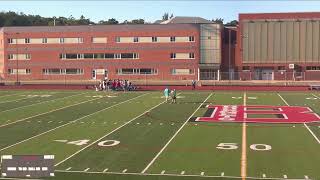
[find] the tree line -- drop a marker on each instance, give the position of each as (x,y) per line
(20,19)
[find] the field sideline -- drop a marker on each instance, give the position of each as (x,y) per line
(136,135)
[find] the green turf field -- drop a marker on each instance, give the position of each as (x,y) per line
(136,135)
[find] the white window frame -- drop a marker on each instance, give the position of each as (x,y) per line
(173,55)
(135,39)
(27,40)
(80,40)
(118,39)
(10,41)
(117,55)
(44,40)
(154,39)
(28,56)
(191,55)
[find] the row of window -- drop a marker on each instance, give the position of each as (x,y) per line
(283,68)
(123,71)
(57,71)
(313,68)
(27,168)
(19,56)
(100,40)
(100,56)
(44,40)
(182,56)
(133,71)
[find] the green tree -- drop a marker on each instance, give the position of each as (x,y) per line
(165,16)
(232,23)
(218,20)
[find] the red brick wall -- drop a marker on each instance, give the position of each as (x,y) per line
(151,55)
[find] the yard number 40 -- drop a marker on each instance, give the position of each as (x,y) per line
(255,147)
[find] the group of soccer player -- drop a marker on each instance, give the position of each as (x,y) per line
(168,93)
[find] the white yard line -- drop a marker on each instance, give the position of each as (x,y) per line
(283,99)
(174,175)
(70,122)
(1,102)
(108,133)
(311,132)
(11,94)
(3,125)
(244,144)
(41,102)
(165,146)
(315,96)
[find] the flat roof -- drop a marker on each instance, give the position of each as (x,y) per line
(101,28)
(280,15)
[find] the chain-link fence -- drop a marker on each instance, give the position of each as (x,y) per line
(161,78)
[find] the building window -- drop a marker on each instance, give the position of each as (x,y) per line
(109,56)
(136,39)
(61,40)
(191,38)
(80,56)
(28,71)
(88,56)
(10,41)
(209,37)
(182,71)
(71,56)
(245,68)
(313,68)
(10,56)
(62,56)
(44,40)
(154,39)
(191,55)
(142,71)
(135,56)
(117,39)
(28,56)
(27,40)
(74,71)
(80,40)
(98,56)
(173,39)
(173,55)
(117,56)
(281,68)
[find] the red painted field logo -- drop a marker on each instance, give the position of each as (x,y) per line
(259,114)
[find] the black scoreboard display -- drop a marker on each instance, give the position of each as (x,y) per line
(30,166)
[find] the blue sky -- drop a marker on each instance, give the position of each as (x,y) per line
(153,10)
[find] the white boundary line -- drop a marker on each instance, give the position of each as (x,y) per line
(11,94)
(311,132)
(175,175)
(41,102)
(108,133)
(243,161)
(315,96)
(71,122)
(47,112)
(165,146)
(1,102)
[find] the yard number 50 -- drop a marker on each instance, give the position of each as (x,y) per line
(255,147)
